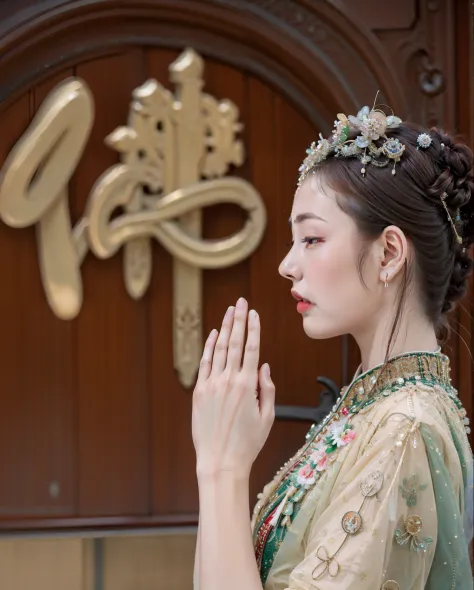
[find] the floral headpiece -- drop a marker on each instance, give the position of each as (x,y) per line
(372,126)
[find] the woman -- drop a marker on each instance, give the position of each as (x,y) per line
(380,494)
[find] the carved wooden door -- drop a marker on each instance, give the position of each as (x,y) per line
(95,426)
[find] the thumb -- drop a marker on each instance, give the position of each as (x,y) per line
(267,391)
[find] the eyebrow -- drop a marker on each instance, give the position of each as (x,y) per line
(304,216)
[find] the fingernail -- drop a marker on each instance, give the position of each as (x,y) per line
(266,369)
(253,315)
(241,303)
(229,311)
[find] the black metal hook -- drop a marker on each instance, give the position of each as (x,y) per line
(311,414)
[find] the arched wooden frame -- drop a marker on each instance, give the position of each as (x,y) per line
(300,57)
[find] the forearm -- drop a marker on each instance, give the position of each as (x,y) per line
(197,558)
(226,554)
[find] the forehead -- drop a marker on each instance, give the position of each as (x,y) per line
(315,197)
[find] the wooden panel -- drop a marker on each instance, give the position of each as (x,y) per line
(152,562)
(378,15)
(112,330)
(162,562)
(37,429)
(46,564)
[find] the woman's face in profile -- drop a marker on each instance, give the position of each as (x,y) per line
(323,266)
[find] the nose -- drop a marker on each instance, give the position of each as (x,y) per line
(289,269)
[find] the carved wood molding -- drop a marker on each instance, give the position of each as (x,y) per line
(99,523)
(425,65)
(313,52)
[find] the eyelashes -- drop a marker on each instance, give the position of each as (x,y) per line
(310,241)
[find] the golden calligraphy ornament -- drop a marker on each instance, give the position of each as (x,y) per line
(174,153)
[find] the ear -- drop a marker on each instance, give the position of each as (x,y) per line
(394,246)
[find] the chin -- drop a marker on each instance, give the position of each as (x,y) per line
(319,330)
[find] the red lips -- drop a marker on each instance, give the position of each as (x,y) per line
(303,304)
(299,297)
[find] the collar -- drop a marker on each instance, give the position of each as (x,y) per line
(427,367)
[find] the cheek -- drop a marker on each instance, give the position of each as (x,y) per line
(333,268)
(337,286)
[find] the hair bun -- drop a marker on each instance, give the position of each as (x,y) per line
(457,178)
(455,160)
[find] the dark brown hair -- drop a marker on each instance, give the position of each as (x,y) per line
(411,200)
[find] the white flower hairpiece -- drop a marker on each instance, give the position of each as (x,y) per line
(424,141)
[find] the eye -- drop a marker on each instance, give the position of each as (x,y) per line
(311,241)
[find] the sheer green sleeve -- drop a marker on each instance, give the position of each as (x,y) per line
(451,566)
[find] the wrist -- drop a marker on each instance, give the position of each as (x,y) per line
(215,475)
(225,491)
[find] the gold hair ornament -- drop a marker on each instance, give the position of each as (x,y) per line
(453,225)
(372,126)
(424,141)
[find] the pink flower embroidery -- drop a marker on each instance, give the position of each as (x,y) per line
(345,411)
(338,434)
(320,459)
(306,476)
(322,463)
(348,436)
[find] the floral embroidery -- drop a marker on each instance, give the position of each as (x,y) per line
(413,526)
(339,434)
(305,476)
(410,489)
(320,459)
(465,419)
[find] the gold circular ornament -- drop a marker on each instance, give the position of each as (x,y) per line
(390,585)
(352,522)
(372,484)
(413,524)
(393,149)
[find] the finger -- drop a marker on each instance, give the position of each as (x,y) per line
(236,342)
(222,344)
(252,346)
(267,392)
(206,359)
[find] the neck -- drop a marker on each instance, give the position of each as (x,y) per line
(414,334)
